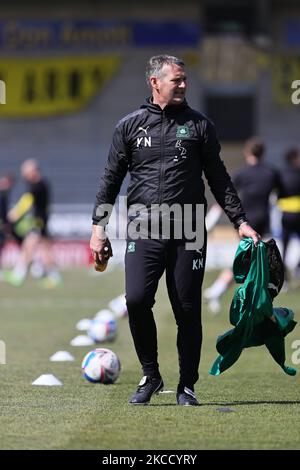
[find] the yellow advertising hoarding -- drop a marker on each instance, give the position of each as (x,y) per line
(285,69)
(37,87)
(229,60)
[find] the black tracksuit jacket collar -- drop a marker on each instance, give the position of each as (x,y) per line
(169,109)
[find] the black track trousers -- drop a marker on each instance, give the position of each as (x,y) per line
(290,226)
(145,262)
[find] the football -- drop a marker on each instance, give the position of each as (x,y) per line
(118,306)
(101,366)
(104,315)
(101,331)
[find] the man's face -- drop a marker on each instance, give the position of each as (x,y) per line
(29,171)
(6,182)
(170,87)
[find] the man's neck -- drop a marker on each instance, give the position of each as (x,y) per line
(252,160)
(160,103)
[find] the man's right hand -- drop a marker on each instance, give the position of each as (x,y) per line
(98,243)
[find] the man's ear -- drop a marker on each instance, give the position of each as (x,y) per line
(153,81)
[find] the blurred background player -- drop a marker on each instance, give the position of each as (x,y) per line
(6,184)
(32,211)
(289,202)
(254,183)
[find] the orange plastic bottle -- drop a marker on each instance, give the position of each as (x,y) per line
(101,266)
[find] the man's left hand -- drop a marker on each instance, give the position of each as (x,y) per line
(245,231)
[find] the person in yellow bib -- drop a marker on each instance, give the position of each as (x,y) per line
(6,184)
(30,216)
(289,200)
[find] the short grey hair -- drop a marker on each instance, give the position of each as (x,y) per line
(156,63)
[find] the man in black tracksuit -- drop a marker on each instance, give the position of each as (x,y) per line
(6,183)
(165,146)
(289,200)
(254,183)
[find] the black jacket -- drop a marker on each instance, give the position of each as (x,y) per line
(166,151)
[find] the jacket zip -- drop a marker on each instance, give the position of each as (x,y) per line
(162,159)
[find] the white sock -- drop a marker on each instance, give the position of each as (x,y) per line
(54,274)
(217,289)
(20,271)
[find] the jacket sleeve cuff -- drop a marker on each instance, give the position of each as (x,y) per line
(100,222)
(240,221)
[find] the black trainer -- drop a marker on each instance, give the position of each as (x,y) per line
(147,387)
(187,398)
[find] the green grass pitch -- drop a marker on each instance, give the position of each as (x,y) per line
(35,323)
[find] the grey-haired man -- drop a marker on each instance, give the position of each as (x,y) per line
(166,146)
